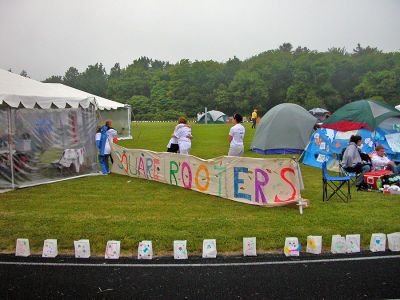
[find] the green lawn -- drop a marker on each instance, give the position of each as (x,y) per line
(115,207)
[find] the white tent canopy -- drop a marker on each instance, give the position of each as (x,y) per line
(398,107)
(18,91)
(102,103)
(118,112)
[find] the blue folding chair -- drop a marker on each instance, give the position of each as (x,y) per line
(334,184)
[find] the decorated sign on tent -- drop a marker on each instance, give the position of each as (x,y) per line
(264,182)
(327,145)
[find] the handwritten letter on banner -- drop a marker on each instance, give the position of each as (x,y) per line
(257,181)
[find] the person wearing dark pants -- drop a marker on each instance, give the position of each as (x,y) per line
(254,118)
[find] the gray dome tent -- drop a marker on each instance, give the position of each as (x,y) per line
(213,117)
(284,129)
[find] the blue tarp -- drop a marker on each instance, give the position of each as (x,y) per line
(327,144)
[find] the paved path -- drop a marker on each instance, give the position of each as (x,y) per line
(318,277)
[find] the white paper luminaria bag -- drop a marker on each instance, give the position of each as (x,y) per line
(353,243)
(394,241)
(180,251)
(249,246)
(209,248)
(378,242)
(82,249)
(314,244)
(338,245)
(145,250)
(22,248)
(292,246)
(50,248)
(113,249)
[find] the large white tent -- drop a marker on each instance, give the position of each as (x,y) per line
(44,137)
(118,112)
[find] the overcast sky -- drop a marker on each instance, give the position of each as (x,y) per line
(46,37)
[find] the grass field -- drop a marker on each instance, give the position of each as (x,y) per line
(115,207)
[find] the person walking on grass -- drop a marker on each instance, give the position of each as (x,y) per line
(254,118)
(236,136)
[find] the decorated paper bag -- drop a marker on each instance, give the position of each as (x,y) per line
(113,249)
(82,249)
(394,241)
(249,246)
(338,244)
(292,247)
(50,248)
(22,248)
(353,243)
(378,242)
(209,248)
(180,251)
(145,250)
(314,244)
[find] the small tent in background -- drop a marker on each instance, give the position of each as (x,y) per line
(398,107)
(319,113)
(107,109)
(213,117)
(43,137)
(284,129)
(376,122)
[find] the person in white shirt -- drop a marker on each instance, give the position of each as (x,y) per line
(184,136)
(173,145)
(236,136)
(382,162)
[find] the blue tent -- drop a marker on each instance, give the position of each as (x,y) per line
(326,144)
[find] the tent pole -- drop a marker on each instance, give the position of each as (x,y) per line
(205,115)
(129,121)
(10,153)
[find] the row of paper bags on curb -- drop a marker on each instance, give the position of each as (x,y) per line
(340,244)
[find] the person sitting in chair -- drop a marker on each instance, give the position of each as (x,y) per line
(382,162)
(352,161)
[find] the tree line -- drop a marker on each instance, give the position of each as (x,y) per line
(159,90)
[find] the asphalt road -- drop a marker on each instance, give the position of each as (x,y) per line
(362,276)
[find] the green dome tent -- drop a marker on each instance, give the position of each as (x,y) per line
(213,117)
(366,114)
(284,129)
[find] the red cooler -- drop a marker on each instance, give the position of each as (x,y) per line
(371,178)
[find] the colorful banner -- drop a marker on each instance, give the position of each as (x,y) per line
(258,181)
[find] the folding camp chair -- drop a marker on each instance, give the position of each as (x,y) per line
(335,184)
(352,175)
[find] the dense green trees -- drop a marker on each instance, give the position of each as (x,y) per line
(160,90)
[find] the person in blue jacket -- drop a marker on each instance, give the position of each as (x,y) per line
(104,135)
